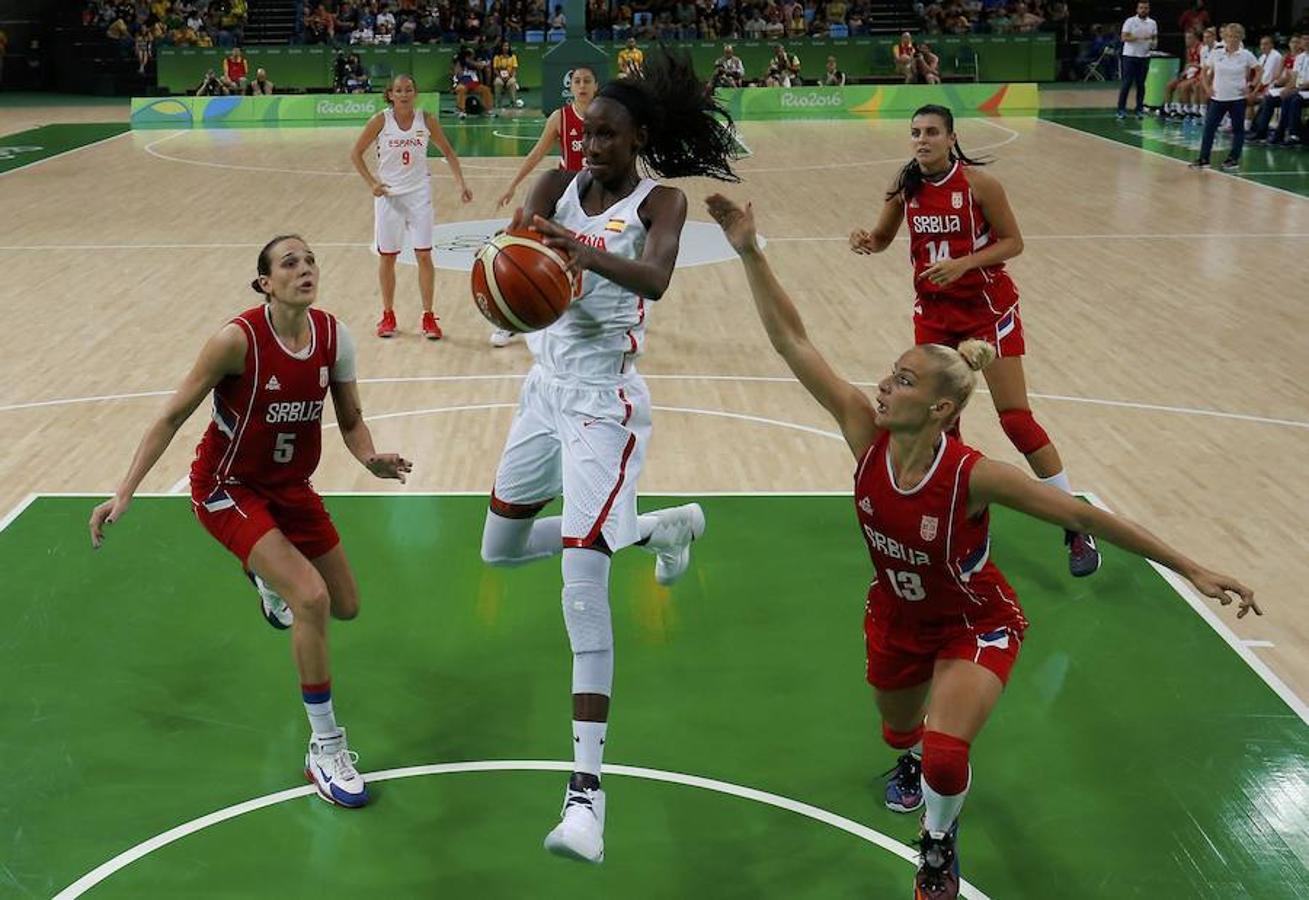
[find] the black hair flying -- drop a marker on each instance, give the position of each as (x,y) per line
(690,133)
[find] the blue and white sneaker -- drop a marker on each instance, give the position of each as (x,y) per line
(904,784)
(330,765)
(276,611)
(937,877)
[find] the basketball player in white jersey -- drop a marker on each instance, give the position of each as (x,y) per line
(402,194)
(583,419)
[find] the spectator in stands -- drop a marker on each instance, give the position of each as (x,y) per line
(505,68)
(1139,33)
(466,75)
(729,70)
(1195,18)
(795,26)
(754,26)
(856,16)
(347,20)
(630,59)
(927,66)
(903,54)
(261,86)
(833,77)
(235,71)
(319,26)
(1025,20)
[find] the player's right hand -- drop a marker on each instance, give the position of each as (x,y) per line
(505,199)
(737,222)
(379,189)
(106,513)
(861,241)
(1221,588)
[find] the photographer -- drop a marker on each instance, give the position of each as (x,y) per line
(926,68)
(211,86)
(783,69)
(833,77)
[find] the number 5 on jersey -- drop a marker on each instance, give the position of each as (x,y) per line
(284,448)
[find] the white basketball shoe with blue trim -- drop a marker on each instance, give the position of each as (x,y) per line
(330,765)
(276,611)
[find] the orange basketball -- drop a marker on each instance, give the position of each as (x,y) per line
(519,283)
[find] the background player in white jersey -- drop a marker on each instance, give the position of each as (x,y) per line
(403,194)
(583,419)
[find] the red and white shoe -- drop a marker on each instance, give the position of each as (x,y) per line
(386,325)
(431,330)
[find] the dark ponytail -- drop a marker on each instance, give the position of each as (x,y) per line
(265,265)
(690,133)
(910,180)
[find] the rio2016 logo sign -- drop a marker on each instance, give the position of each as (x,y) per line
(351,108)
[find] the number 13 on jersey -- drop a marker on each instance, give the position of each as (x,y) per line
(907,585)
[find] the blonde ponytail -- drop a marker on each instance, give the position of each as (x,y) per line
(956,369)
(978,354)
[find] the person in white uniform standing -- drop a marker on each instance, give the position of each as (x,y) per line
(402,193)
(1140,33)
(583,418)
(1232,74)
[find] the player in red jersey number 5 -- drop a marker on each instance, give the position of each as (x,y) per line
(269,370)
(942,627)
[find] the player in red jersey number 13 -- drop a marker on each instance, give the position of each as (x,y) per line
(942,627)
(269,371)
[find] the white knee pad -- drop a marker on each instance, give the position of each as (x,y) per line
(593,672)
(586,600)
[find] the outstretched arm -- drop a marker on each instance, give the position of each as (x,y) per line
(223,355)
(997,482)
(543,145)
(848,405)
(884,231)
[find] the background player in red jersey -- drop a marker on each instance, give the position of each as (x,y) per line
(270,369)
(564,126)
(961,230)
(943,627)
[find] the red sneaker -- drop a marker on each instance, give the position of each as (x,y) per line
(386,325)
(431,330)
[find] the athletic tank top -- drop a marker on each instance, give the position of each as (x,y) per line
(402,155)
(932,561)
(570,140)
(267,422)
(603,330)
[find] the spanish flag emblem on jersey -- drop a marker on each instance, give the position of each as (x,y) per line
(616,225)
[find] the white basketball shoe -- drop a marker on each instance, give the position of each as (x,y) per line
(330,765)
(502,337)
(671,540)
(275,608)
(580,833)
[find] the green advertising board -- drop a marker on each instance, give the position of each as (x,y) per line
(290,110)
(879,101)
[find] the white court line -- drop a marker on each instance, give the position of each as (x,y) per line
(519,137)
(150,149)
(1165,156)
(1259,643)
(17,511)
(35,163)
(1202,606)
(818,814)
(768,379)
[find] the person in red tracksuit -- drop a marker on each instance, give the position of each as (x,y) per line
(269,371)
(942,625)
(961,230)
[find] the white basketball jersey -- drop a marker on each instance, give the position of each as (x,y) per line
(402,155)
(603,331)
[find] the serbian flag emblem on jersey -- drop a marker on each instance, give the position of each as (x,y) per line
(957,199)
(616,225)
(999,639)
(1004,326)
(927,528)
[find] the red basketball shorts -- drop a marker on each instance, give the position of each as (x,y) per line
(900,656)
(238,516)
(1005,332)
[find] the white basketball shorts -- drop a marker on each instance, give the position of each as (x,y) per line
(398,215)
(587,443)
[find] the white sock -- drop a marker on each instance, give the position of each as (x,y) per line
(318,706)
(943,809)
(512,542)
(588,746)
(1059,480)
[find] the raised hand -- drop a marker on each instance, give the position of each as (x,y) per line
(737,222)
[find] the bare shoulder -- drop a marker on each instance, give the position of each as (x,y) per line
(981,180)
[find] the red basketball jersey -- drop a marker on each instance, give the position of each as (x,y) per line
(1193,56)
(267,422)
(944,221)
(932,560)
(570,140)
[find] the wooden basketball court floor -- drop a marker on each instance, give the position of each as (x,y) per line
(1163,312)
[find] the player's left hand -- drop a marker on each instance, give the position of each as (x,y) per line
(1222,587)
(465,193)
(389,465)
(944,271)
(557,237)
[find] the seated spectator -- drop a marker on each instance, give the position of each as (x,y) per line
(319,26)
(144,50)
(754,26)
(833,77)
(836,11)
(1294,97)
(796,27)
(559,21)
(729,71)
(1024,20)
(630,59)
(505,67)
(347,20)
(428,30)
(467,81)
(783,69)
(903,54)
(210,86)
(235,70)
(926,67)
(774,27)
(363,34)
(856,18)
(261,86)
(1281,83)
(1270,76)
